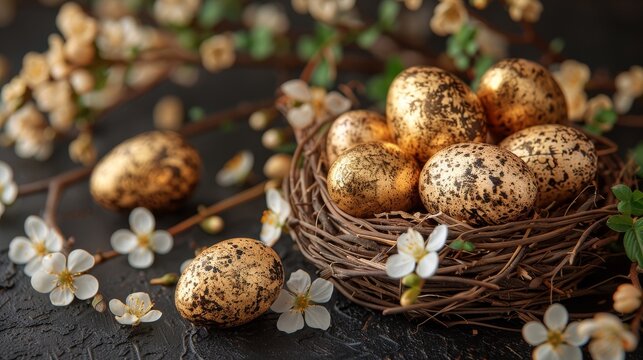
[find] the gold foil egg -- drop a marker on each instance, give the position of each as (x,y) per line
(229,283)
(517,94)
(428,109)
(355,127)
(478,183)
(562,158)
(372,178)
(156,170)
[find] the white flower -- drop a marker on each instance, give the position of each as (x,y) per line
(412,250)
(8,187)
(137,309)
(627,298)
(267,16)
(302,298)
(557,341)
(175,12)
(610,337)
(307,104)
(63,279)
(448,17)
(274,219)
(236,170)
(142,242)
(42,241)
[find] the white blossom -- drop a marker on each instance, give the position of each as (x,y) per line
(413,251)
(8,187)
(274,219)
(137,309)
(236,170)
(610,337)
(41,240)
(308,104)
(556,341)
(299,302)
(142,241)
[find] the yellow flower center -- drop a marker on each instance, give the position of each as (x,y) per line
(416,250)
(301,303)
(234,163)
(554,337)
(139,309)
(40,248)
(144,241)
(269,217)
(66,279)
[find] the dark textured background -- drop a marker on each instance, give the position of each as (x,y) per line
(600,33)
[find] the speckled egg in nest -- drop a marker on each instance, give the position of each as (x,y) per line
(230,283)
(156,170)
(517,94)
(428,109)
(562,158)
(355,127)
(478,183)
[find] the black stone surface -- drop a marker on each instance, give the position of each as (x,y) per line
(597,32)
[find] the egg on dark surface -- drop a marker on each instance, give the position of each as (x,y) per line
(230,283)
(478,183)
(372,178)
(562,158)
(156,170)
(428,109)
(517,94)
(355,127)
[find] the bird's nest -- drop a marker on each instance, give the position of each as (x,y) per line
(516,270)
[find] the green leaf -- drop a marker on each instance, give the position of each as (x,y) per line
(367,38)
(454,48)
(461,62)
(471,47)
(324,32)
(242,40)
(388,11)
(196,113)
(307,46)
(633,244)
(622,192)
(606,117)
(321,75)
(188,38)
(638,158)
(211,13)
(262,44)
(625,207)
(557,45)
(619,223)
(482,64)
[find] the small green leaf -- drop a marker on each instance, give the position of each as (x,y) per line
(625,207)
(188,38)
(622,192)
(471,47)
(557,45)
(367,38)
(211,13)
(606,117)
(457,244)
(633,244)
(454,48)
(468,246)
(388,11)
(262,43)
(482,64)
(196,113)
(619,223)
(321,75)
(461,62)
(638,158)
(307,46)
(242,40)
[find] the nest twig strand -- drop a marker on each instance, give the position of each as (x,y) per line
(517,269)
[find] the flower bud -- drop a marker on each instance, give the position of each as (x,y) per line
(81,81)
(259,120)
(277,166)
(78,52)
(411,280)
(410,296)
(627,298)
(169,279)
(212,225)
(168,113)
(98,303)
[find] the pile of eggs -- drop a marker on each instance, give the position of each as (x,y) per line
(489,157)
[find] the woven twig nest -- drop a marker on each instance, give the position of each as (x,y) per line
(516,270)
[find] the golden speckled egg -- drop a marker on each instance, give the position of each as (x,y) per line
(372,178)
(517,94)
(478,183)
(355,127)
(156,170)
(428,109)
(562,158)
(230,283)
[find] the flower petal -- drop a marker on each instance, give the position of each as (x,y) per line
(33,266)
(117,307)
(438,238)
(79,261)
(604,349)
(534,333)
(142,221)
(141,258)
(20,250)
(336,103)
(545,352)
(270,234)
(321,291)
(184,265)
(6,174)
(43,282)
(399,265)
(428,265)
(54,263)
(86,286)
(284,302)
(301,116)
(317,317)
(569,352)
(299,282)
(273,200)
(296,89)
(290,321)
(10,193)
(61,296)
(161,242)
(573,336)
(556,317)
(138,299)
(151,316)
(128,319)
(124,241)
(409,241)
(35,228)
(54,241)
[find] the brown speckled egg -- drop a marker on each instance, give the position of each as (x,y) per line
(355,127)
(562,158)
(428,109)
(478,183)
(372,178)
(517,94)
(230,283)
(156,170)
